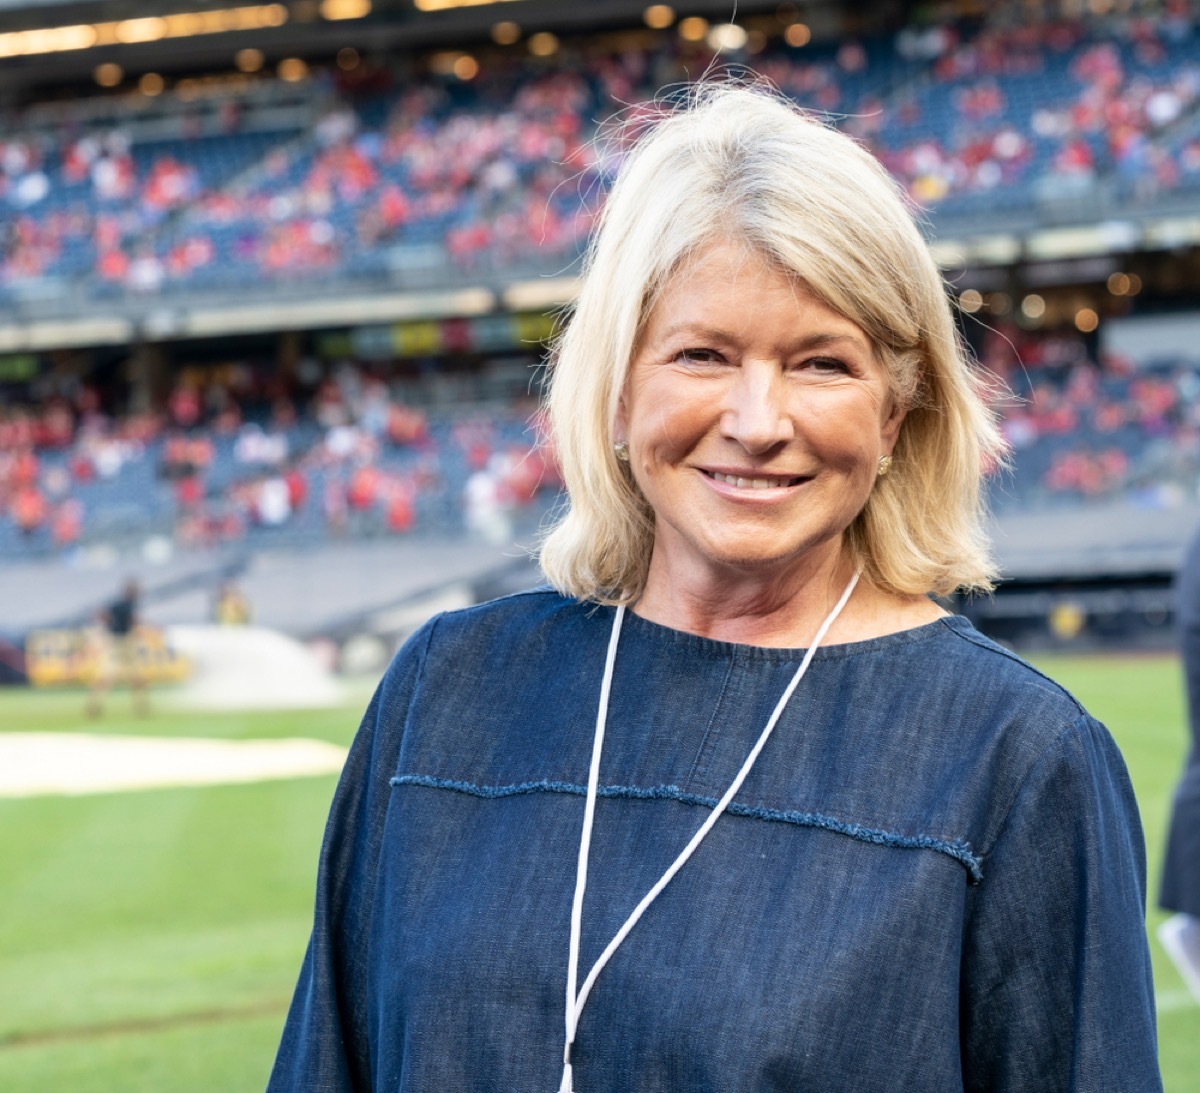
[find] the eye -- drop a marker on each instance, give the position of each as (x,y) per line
(825,365)
(699,355)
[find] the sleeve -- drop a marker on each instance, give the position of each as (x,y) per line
(1057,993)
(324,1046)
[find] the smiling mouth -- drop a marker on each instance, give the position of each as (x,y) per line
(758,482)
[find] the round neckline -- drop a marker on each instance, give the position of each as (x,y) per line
(720,647)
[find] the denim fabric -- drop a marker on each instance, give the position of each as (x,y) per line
(1181,864)
(933,879)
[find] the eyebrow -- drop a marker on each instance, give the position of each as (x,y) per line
(822,340)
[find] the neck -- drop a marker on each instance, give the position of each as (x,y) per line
(781,609)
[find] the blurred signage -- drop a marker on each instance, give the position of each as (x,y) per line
(417,339)
(72,657)
(435,337)
(18,368)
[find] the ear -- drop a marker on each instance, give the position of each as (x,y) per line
(620,428)
(890,430)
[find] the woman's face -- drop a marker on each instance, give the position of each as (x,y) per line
(755,417)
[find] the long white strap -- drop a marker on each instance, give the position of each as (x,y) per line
(576,1002)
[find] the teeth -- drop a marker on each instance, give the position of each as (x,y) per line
(752,483)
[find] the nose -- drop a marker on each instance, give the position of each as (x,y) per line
(756,413)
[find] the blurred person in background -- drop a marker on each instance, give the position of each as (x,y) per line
(117,652)
(737,805)
(230,607)
(1180,891)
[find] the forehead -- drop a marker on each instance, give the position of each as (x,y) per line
(733,282)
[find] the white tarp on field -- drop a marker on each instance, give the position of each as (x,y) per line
(38,763)
(250,668)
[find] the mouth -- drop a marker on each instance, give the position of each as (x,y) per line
(757,481)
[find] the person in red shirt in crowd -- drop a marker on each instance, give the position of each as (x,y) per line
(297,487)
(364,487)
(55,428)
(184,405)
(406,426)
(189,491)
(66,523)
(81,467)
(29,509)
(400,512)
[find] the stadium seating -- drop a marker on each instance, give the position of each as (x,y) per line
(406,181)
(366,465)
(373,468)
(275,181)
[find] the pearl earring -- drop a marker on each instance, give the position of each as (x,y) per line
(621,451)
(885,465)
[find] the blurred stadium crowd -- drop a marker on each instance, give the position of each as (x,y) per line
(345,456)
(280,180)
(500,164)
(243,459)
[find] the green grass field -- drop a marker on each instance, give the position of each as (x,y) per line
(150,940)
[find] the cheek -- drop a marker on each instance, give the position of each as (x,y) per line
(860,468)
(666,423)
(849,434)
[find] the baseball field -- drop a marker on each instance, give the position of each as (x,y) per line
(150,936)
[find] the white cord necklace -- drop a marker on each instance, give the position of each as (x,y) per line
(577,1000)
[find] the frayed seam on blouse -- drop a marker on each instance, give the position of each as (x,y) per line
(959,851)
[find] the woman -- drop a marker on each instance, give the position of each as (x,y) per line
(739,806)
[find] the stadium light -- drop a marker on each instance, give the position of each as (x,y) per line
(454,62)
(970,301)
(135,31)
(658,16)
(506,33)
(443,61)
(1124,284)
(249,60)
(108,75)
(292,69)
(466,67)
(333,10)
(727,37)
(151,84)
(445,5)
(47,40)
(27,43)
(797,35)
(693,28)
(1086,320)
(543,44)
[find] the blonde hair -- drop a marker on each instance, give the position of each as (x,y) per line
(741,163)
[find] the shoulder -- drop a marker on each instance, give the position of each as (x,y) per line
(486,639)
(1036,740)
(1038,715)
(948,670)
(534,616)
(984,669)
(977,716)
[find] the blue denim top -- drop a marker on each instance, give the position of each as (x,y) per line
(932,880)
